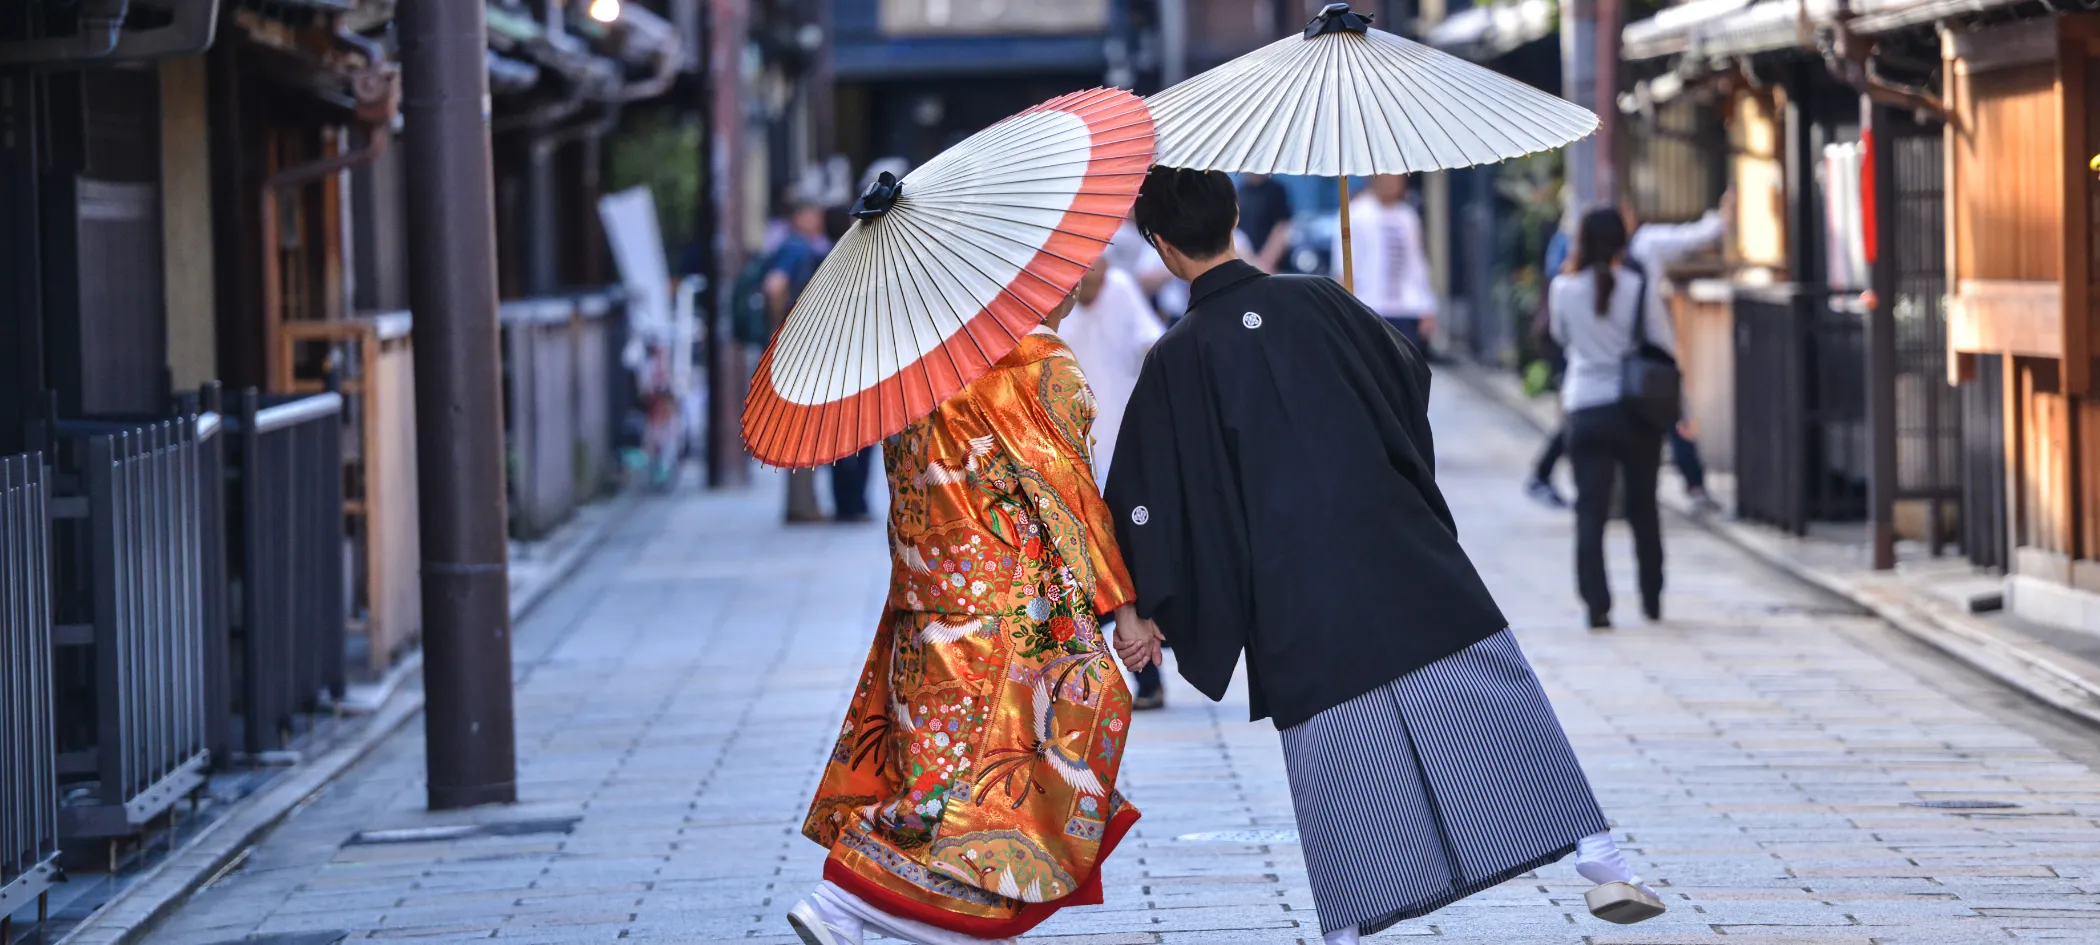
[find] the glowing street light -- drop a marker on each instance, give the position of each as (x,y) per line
(605,11)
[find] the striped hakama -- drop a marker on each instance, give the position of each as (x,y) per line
(1449,780)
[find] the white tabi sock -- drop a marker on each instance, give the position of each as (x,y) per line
(838,920)
(835,898)
(1342,937)
(1598,859)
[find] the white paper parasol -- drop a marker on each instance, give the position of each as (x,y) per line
(944,272)
(1346,100)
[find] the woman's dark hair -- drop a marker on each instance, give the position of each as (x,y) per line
(1193,211)
(1599,239)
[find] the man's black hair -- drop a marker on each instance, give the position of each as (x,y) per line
(1192,211)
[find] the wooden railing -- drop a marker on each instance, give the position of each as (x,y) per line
(1705,315)
(559,361)
(370,361)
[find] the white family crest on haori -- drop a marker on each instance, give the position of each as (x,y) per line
(942,274)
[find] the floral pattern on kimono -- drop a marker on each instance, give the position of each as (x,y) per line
(972,785)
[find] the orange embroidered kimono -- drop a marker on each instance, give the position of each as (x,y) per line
(973,783)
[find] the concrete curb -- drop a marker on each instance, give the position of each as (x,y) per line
(133,913)
(2058,679)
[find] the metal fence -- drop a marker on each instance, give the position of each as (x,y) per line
(1983,498)
(286,554)
(28,782)
(371,361)
(131,579)
(1800,395)
(1928,409)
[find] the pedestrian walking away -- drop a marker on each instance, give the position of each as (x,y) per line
(789,268)
(1650,249)
(849,476)
(1110,330)
(1601,317)
(1275,495)
(1392,267)
(1265,220)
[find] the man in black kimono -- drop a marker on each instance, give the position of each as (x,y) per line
(1275,490)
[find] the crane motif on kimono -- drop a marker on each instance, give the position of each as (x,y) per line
(1007,765)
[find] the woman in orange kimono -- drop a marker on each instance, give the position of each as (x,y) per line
(971,793)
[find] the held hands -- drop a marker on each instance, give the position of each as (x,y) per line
(1138,641)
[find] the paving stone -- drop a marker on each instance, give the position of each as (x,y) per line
(1755,753)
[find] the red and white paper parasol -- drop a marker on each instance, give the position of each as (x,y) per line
(944,272)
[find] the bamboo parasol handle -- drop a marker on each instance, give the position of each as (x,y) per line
(1348,255)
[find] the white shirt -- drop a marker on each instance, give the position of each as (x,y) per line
(1110,338)
(1392,269)
(1594,345)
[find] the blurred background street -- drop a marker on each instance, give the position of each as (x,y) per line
(337,335)
(1770,753)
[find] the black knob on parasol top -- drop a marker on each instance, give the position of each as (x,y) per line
(879,198)
(1337,18)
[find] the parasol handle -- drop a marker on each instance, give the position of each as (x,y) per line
(1348,255)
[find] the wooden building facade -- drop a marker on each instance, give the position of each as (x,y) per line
(2022,210)
(206,378)
(1927,180)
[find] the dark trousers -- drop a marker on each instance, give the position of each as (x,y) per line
(1549,457)
(1604,444)
(1148,682)
(1684,454)
(849,484)
(1411,328)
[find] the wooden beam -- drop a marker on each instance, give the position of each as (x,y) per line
(2022,43)
(2003,315)
(2015,490)
(2076,177)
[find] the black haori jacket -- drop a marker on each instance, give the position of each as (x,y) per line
(1275,493)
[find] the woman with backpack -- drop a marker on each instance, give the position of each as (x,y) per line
(1602,316)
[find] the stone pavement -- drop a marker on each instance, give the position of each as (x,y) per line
(1764,754)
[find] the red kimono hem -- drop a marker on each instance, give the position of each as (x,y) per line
(1031,914)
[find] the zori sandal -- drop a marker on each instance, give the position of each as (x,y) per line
(1624,903)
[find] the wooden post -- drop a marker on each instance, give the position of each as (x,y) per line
(470,745)
(1878,175)
(1348,254)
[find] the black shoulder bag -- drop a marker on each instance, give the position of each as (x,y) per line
(1650,385)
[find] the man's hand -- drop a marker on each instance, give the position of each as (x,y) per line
(1138,641)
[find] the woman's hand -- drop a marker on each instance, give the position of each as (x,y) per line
(1138,641)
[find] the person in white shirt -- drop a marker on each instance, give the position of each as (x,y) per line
(1109,332)
(1593,309)
(1651,248)
(1391,266)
